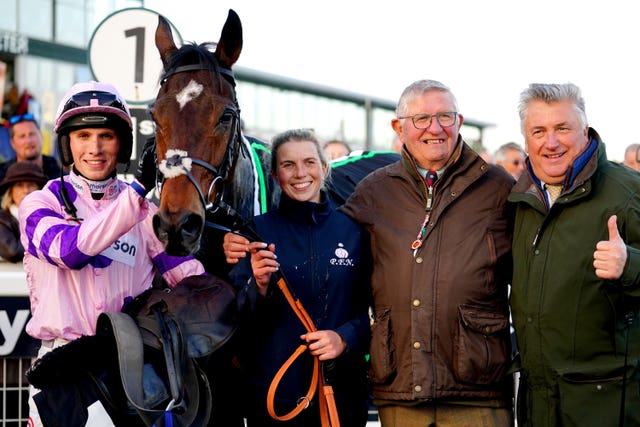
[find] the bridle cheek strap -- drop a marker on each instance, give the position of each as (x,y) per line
(327,403)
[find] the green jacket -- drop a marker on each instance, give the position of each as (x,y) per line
(569,323)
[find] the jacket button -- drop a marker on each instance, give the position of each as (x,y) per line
(418,388)
(416,345)
(419,260)
(416,302)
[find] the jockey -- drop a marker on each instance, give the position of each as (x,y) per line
(89,235)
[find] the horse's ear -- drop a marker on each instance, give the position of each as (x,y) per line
(230,44)
(164,39)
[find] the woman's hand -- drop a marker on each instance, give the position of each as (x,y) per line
(263,257)
(236,247)
(325,344)
(263,264)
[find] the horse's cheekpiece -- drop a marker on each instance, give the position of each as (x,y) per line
(145,364)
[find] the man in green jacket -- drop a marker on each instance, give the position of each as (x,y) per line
(575,294)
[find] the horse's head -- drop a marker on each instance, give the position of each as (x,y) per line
(197,132)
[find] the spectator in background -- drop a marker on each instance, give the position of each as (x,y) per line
(335,149)
(26,141)
(631,157)
(21,179)
(511,157)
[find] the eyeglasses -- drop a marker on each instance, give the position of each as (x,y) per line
(22,118)
(83,99)
(423,121)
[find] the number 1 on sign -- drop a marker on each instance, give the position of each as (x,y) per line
(138,33)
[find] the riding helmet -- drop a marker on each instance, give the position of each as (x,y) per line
(93,105)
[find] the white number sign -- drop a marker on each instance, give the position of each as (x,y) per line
(122,51)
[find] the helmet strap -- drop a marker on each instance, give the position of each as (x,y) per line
(69,207)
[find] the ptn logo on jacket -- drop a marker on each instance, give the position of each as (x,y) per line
(342,257)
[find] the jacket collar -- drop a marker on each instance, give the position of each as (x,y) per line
(305,212)
(579,171)
(110,187)
(464,161)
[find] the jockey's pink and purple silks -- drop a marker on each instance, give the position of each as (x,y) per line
(92,266)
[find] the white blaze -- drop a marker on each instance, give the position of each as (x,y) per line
(191,91)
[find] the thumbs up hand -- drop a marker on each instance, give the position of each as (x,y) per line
(610,256)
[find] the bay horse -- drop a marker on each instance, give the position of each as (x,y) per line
(211,172)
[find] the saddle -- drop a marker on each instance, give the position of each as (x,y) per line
(145,362)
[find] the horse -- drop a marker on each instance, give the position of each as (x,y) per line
(208,167)
(214,177)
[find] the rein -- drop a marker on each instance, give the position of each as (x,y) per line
(327,403)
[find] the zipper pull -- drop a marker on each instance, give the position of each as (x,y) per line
(535,239)
(429,197)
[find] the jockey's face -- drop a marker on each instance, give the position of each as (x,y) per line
(95,152)
(300,171)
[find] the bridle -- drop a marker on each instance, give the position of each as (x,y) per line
(178,162)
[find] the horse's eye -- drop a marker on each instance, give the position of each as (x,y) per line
(226,119)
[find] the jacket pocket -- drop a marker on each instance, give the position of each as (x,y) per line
(593,398)
(383,365)
(481,347)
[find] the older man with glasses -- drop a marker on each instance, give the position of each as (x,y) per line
(442,261)
(26,141)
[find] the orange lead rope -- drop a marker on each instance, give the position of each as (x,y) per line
(327,403)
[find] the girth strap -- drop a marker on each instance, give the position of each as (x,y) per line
(327,404)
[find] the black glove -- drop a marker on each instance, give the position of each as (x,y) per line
(147,169)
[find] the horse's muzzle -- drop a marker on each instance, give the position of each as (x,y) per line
(180,235)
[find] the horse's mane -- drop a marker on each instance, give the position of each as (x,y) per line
(242,186)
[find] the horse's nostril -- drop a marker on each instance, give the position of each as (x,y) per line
(159,227)
(192,226)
